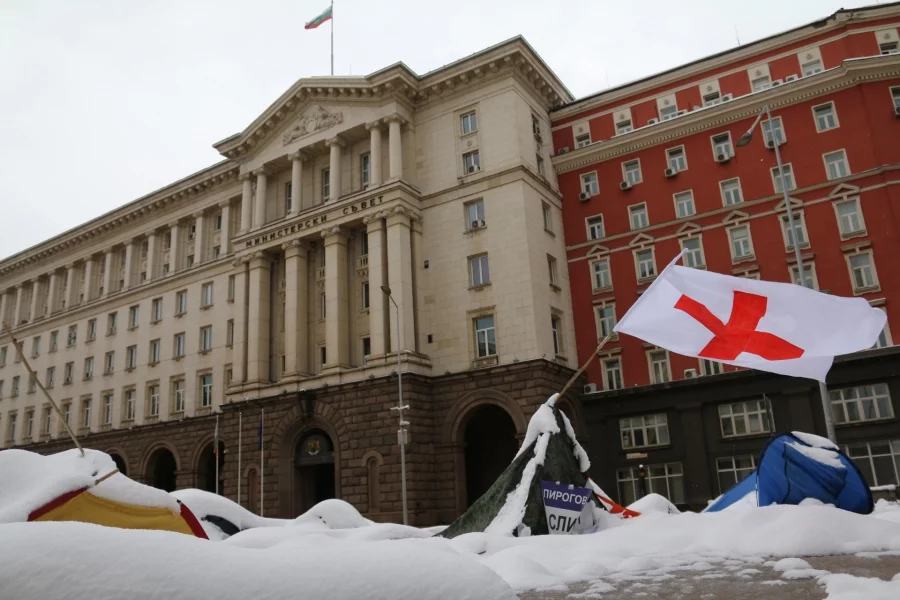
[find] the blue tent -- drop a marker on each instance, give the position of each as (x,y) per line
(790,470)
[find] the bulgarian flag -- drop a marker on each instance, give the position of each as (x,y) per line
(325,16)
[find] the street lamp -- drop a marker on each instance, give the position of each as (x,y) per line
(743,141)
(401,433)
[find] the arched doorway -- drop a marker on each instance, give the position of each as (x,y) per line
(314,479)
(490,438)
(206,469)
(120,463)
(161,470)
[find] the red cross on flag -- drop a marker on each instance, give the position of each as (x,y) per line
(777,327)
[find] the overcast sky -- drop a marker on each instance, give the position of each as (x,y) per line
(104,101)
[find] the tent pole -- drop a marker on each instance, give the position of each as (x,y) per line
(578,373)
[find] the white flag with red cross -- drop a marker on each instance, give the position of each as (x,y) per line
(777,327)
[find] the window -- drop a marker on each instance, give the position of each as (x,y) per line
(153,355)
(595,228)
(479,271)
(288,186)
(232,282)
(612,374)
(668,112)
(602,277)
(32,386)
(826,117)
(178,351)
(363,243)
(35,347)
(722,148)
(836,164)
(889,47)
(128,406)
(167,241)
(133,317)
(809,276)
(556,329)
(862,272)
(178,395)
(12,427)
(744,418)
(811,68)
(29,425)
(326,184)
(156,309)
(165,269)
(192,233)
(741,244)
(131,357)
(72,336)
(631,172)
(664,479)
(181,302)
(206,338)
(732,469)
(92,330)
(649,430)
(798,232)
(206,294)
(190,261)
(684,204)
(551,267)
(773,128)
(20,351)
(485,337)
(589,184)
(48,415)
(659,366)
(849,215)
(861,403)
(878,461)
(623,127)
(539,160)
(50,377)
(216,252)
(471,162)
(109,363)
(536,127)
(884,338)
(153,400)
(475,215)
(711,367)
(229,333)
(694,255)
(54,341)
(3,356)
(583,140)
(1,388)
(364,170)
(895,95)
(761,83)
(111,320)
(638,216)
(676,159)
(785,177)
(14,392)
(206,387)
(606,319)
(548,216)
(366,348)
(712,99)
(468,123)
(107,409)
(88,367)
(646,264)
(68,373)
(217,222)
(365,294)
(323,354)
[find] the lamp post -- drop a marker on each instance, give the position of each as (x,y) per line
(402,432)
(743,141)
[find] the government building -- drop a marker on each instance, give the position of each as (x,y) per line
(355,220)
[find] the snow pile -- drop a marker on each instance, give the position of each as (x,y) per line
(813,440)
(822,455)
(841,586)
(886,510)
(654,503)
(205,504)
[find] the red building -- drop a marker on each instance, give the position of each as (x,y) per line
(652,167)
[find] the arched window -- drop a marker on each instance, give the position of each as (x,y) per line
(253,490)
(374,484)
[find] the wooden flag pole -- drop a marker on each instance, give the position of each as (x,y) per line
(578,373)
(35,379)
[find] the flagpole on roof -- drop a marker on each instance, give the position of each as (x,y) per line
(240,432)
(332,38)
(262,413)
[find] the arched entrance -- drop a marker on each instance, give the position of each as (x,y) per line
(314,479)
(490,438)
(161,470)
(206,469)
(120,463)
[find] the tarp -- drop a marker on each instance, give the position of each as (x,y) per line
(797,466)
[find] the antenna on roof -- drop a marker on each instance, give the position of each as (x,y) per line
(736,35)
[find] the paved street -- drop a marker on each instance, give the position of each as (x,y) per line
(731,580)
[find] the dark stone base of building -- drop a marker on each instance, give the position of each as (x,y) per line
(341,441)
(706,450)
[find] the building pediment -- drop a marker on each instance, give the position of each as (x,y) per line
(736,216)
(844,189)
(315,118)
(795,204)
(641,240)
(688,229)
(598,250)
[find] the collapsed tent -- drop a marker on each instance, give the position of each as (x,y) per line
(794,467)
(71,487)
(513,505)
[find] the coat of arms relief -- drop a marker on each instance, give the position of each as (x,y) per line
(315,120)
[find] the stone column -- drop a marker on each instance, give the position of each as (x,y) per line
(395,145)
(129,264)
(107,273)
(239,350)
(52,294)
(259,204)
(18,307)
(400,278)
(296,181)
(334,168)
(70,291)
(225,234)
(337,324)
(35,313)
(246,203)
(375,173)
(199,238)
(89,266)
(377,272)
(3,306)
(258,319)
(175,250)
(296,310)
(152,258)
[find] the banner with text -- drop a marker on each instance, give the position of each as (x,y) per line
(567,508)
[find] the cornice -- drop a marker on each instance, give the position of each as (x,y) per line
(850,73)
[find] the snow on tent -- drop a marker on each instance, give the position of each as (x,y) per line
(513,505)
(70,487)
(794,467)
